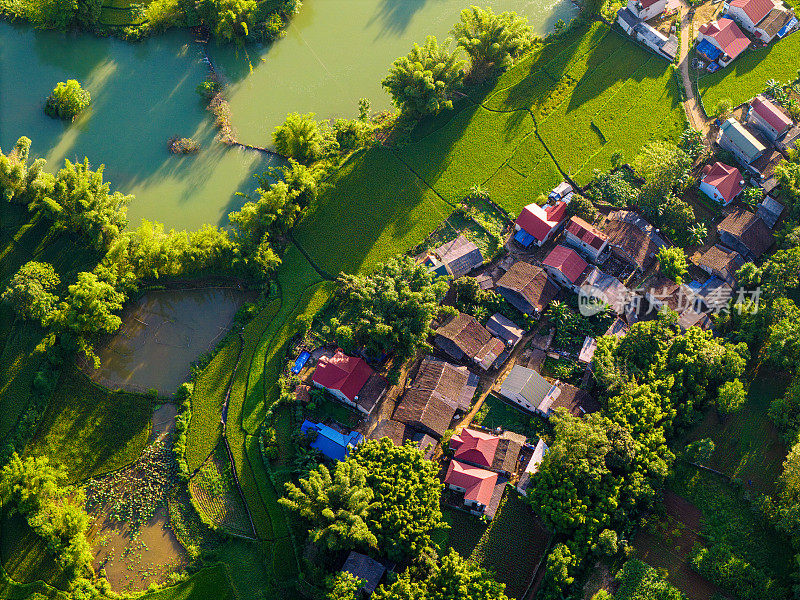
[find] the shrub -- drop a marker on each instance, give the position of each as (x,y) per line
(182,145)
(67,100)
(721,566)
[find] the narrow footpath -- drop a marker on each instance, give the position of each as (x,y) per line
(694,112)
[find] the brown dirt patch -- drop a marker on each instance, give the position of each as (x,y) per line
(668,543)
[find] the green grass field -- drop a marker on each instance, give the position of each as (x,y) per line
(583,97)
(749,73)
(747,444)
(502,414)
(90,430)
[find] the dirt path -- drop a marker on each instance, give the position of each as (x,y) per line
(133,560)
(694,112)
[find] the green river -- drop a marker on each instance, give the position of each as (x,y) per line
(335,52)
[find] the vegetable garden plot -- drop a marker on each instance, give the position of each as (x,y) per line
(214,494)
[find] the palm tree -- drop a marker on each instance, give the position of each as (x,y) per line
(697,234)
(773,87)
(337,506)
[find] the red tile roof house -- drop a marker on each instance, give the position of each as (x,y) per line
(725,35)
(351,380)
(721,182)
(488,451)
(585,238)
(482,489)
(566,266)
(763,18)
(539,223)
(767,117)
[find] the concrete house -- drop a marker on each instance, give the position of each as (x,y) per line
(527,288)
(566,266)
(351,380)
(459,256)
(481,489)
(527,389)
(585,238)
(331,443)
(636,27)
(734,137)
(498,453)
(367,569)
(647,9)
(721,41)
(532,467)
(505,329)
(768,118)
(721,182)
(745,232)
(765,19)
(536,224)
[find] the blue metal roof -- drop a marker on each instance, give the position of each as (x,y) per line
(301,362)
(524,238)
(787,27)
(709,50)
(329,442)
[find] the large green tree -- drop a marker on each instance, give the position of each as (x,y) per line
(454,579)
(299,137)
(20,182)
(493,42)
(672,263)
(31,291)
(423,82)
(67,100)
(81,202)
(336,506)
(407,491)
(390,310)
(89,306)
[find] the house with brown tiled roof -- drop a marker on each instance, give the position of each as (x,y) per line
(745,232)
(574,400)
(719,261)
(439,390)
(632,239)
(400,433)
(585,238)
(462,336)
(527,288)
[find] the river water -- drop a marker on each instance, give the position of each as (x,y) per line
(335,52)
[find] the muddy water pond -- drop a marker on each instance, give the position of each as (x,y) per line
(162,333)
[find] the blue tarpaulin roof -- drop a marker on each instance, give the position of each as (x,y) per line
(300,362)
(524,238)
(787,27)
(709,50)
(329,442)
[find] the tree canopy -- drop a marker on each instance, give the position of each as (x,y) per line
(406,491)
(67,100)
(336,505)
(672,263)
(389,310)
(299,137)
(493,42)
(454,579)
(31,291)
(422,83)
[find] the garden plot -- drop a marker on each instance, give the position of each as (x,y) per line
(133,542)
(214,495)
(668,542)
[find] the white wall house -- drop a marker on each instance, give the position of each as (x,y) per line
(647,9)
